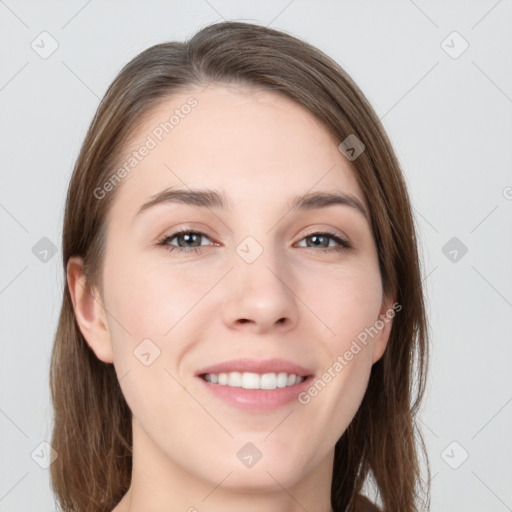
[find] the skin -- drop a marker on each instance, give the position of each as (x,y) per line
(260,149)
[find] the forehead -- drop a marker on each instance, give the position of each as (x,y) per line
(258,146)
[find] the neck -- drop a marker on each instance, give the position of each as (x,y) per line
(158,484)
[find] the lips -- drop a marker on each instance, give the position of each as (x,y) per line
(275,365)
(255,385)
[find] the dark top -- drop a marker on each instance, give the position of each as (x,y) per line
(363,504)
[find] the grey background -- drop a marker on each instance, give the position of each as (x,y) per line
(449,121)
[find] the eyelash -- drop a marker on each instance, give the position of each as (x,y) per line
(344,245)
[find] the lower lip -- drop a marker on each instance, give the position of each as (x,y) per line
(257,400)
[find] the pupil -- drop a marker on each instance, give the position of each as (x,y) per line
(317,237)
(188,238)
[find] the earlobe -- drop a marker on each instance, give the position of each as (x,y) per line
(383,324)
(89,311)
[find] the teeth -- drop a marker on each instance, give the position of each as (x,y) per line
(282,379)
(235,379)
(248,380)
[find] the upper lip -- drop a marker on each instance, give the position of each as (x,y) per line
(241,365)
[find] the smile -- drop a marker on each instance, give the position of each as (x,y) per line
(249,380)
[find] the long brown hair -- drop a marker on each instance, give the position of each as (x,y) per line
(92,422)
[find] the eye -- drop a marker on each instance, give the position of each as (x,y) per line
(193,238)
(320,239)
(186,236)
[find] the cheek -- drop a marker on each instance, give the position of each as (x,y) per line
(150,299)
(149,338)
(158,314)
(347,300)
(347,389)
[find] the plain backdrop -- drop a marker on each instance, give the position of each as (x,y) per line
(439,75)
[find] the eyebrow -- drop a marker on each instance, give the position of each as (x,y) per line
(208,198)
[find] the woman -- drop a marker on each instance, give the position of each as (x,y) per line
(277,362)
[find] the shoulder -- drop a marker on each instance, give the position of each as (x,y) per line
(363,504)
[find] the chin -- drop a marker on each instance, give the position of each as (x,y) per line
(262,479)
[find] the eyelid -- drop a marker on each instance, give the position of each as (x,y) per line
(343,242)
(329,230)
(309,232)
(185,230)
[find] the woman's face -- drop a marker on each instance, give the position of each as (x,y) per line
(253,287)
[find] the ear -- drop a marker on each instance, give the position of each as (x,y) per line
(384,323)
(89,311)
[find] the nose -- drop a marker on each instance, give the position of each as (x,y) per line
(259,296)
